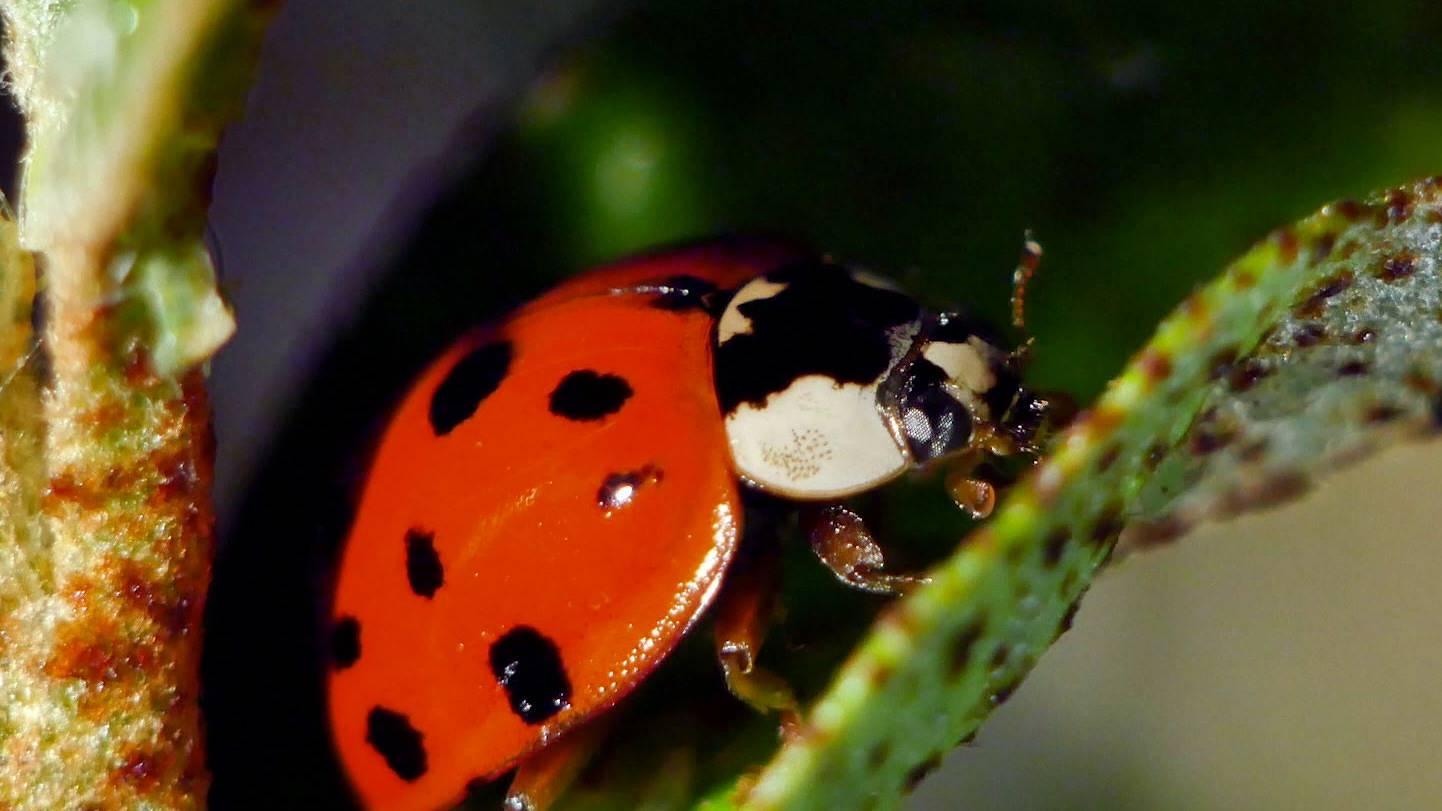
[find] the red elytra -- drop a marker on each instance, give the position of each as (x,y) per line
(488,598)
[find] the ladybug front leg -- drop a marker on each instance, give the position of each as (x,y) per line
(974,495)
(839,537)
(744,612)
(544,775)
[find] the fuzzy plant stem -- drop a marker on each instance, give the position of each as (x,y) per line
(105,456)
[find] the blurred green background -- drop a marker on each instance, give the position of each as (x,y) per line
(1279,663)
(1145,143)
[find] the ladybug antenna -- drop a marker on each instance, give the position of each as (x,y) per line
(1025,268)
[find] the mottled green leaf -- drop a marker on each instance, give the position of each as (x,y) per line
(939,661)
(1355,363)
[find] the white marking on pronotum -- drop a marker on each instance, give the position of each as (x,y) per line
(732,322)
(815,440)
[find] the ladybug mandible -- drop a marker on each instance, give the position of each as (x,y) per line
(558,497)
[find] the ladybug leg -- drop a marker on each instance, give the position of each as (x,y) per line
(974,495)
(839,537)
(743,612)
(546,774)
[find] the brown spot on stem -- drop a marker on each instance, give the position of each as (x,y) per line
(1104,421)
(1000,655)
(1055,545)
(1221,362)
(1246,375)
(1004,693)
(1286,240)
(173,615)
(1254,450)
(1396,268)
(1109,525)
(141,770)
(1399,205)
(916,775)
(1418,381)
(1155,365)
(1334,285)
(963,646)
(1281,488)
(1156,452)
(1195,306)
(1309,334)
(1108,458)
(1156,531)
(1381,413)
(1069,617)
(1349,210)
(1207,439)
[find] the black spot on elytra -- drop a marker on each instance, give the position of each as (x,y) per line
(391,734)
(823,323)
(423,564)
(345,642)
(528,666)
(474,378)
(588,395)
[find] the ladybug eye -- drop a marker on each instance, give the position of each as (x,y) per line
(934,422)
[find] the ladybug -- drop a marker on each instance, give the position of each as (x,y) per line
(557,499)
